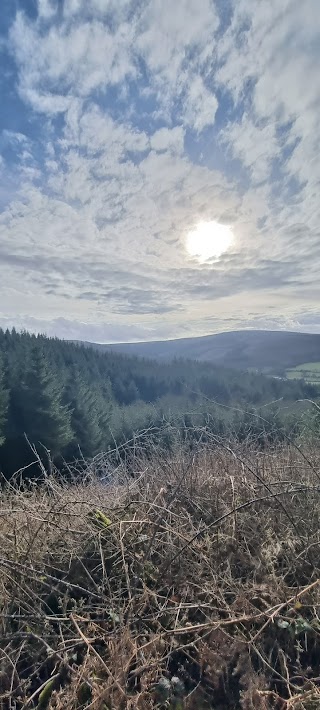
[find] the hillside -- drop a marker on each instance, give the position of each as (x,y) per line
(76,402)
(262,350)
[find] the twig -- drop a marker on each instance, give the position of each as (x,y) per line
(97,655)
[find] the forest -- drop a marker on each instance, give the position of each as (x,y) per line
(73,402)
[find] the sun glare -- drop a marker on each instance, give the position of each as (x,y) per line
(209,240)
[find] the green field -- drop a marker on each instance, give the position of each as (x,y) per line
(309,371)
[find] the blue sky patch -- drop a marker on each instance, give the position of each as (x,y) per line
(133,136)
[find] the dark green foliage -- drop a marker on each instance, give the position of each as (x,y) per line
(125,391)
(76,401)
(3,405)
(89,416)
(38,401)
(36,413)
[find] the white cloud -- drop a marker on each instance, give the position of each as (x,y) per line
(99,8)
(174,40)
(123,180)
(47,8)
(67,60)
(72,8)
(171,139)
(98,131)
(15,137)
(200,105)
(43,102)
(170,30)
(277,52)
(256,146)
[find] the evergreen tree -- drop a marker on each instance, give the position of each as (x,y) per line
(3,405)
(86,417)
(38,406)
(125,390)
(71,398)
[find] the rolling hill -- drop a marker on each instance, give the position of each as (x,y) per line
(262,350)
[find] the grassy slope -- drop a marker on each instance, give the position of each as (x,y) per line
(204,568)
(308,371)
(263,350)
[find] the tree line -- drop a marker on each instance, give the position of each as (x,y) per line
(71,401)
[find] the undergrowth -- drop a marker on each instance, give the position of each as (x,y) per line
(188,581)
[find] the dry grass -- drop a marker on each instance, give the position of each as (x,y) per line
(191,583)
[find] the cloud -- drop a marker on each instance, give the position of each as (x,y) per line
(141,120)
(269,55)
(200,105)
(67,60)
(14,137)
(75,330)
(97,8)
(46,9)
(96,132)
(169,32)
(255,146)
(168,139)
(173,41)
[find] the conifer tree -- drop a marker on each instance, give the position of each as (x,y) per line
(39,409)
(85,421)
(3,405)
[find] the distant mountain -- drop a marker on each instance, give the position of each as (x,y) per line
(78,401)
(263,350)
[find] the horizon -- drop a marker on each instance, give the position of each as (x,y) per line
(191,337)
(158,168)
(205,335)
(165,340)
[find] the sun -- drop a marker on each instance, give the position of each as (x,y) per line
(209,240)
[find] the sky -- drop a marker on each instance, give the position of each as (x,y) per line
(124,124)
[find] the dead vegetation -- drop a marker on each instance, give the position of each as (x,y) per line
(189,582)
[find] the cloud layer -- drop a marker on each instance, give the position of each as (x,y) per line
(125,125)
